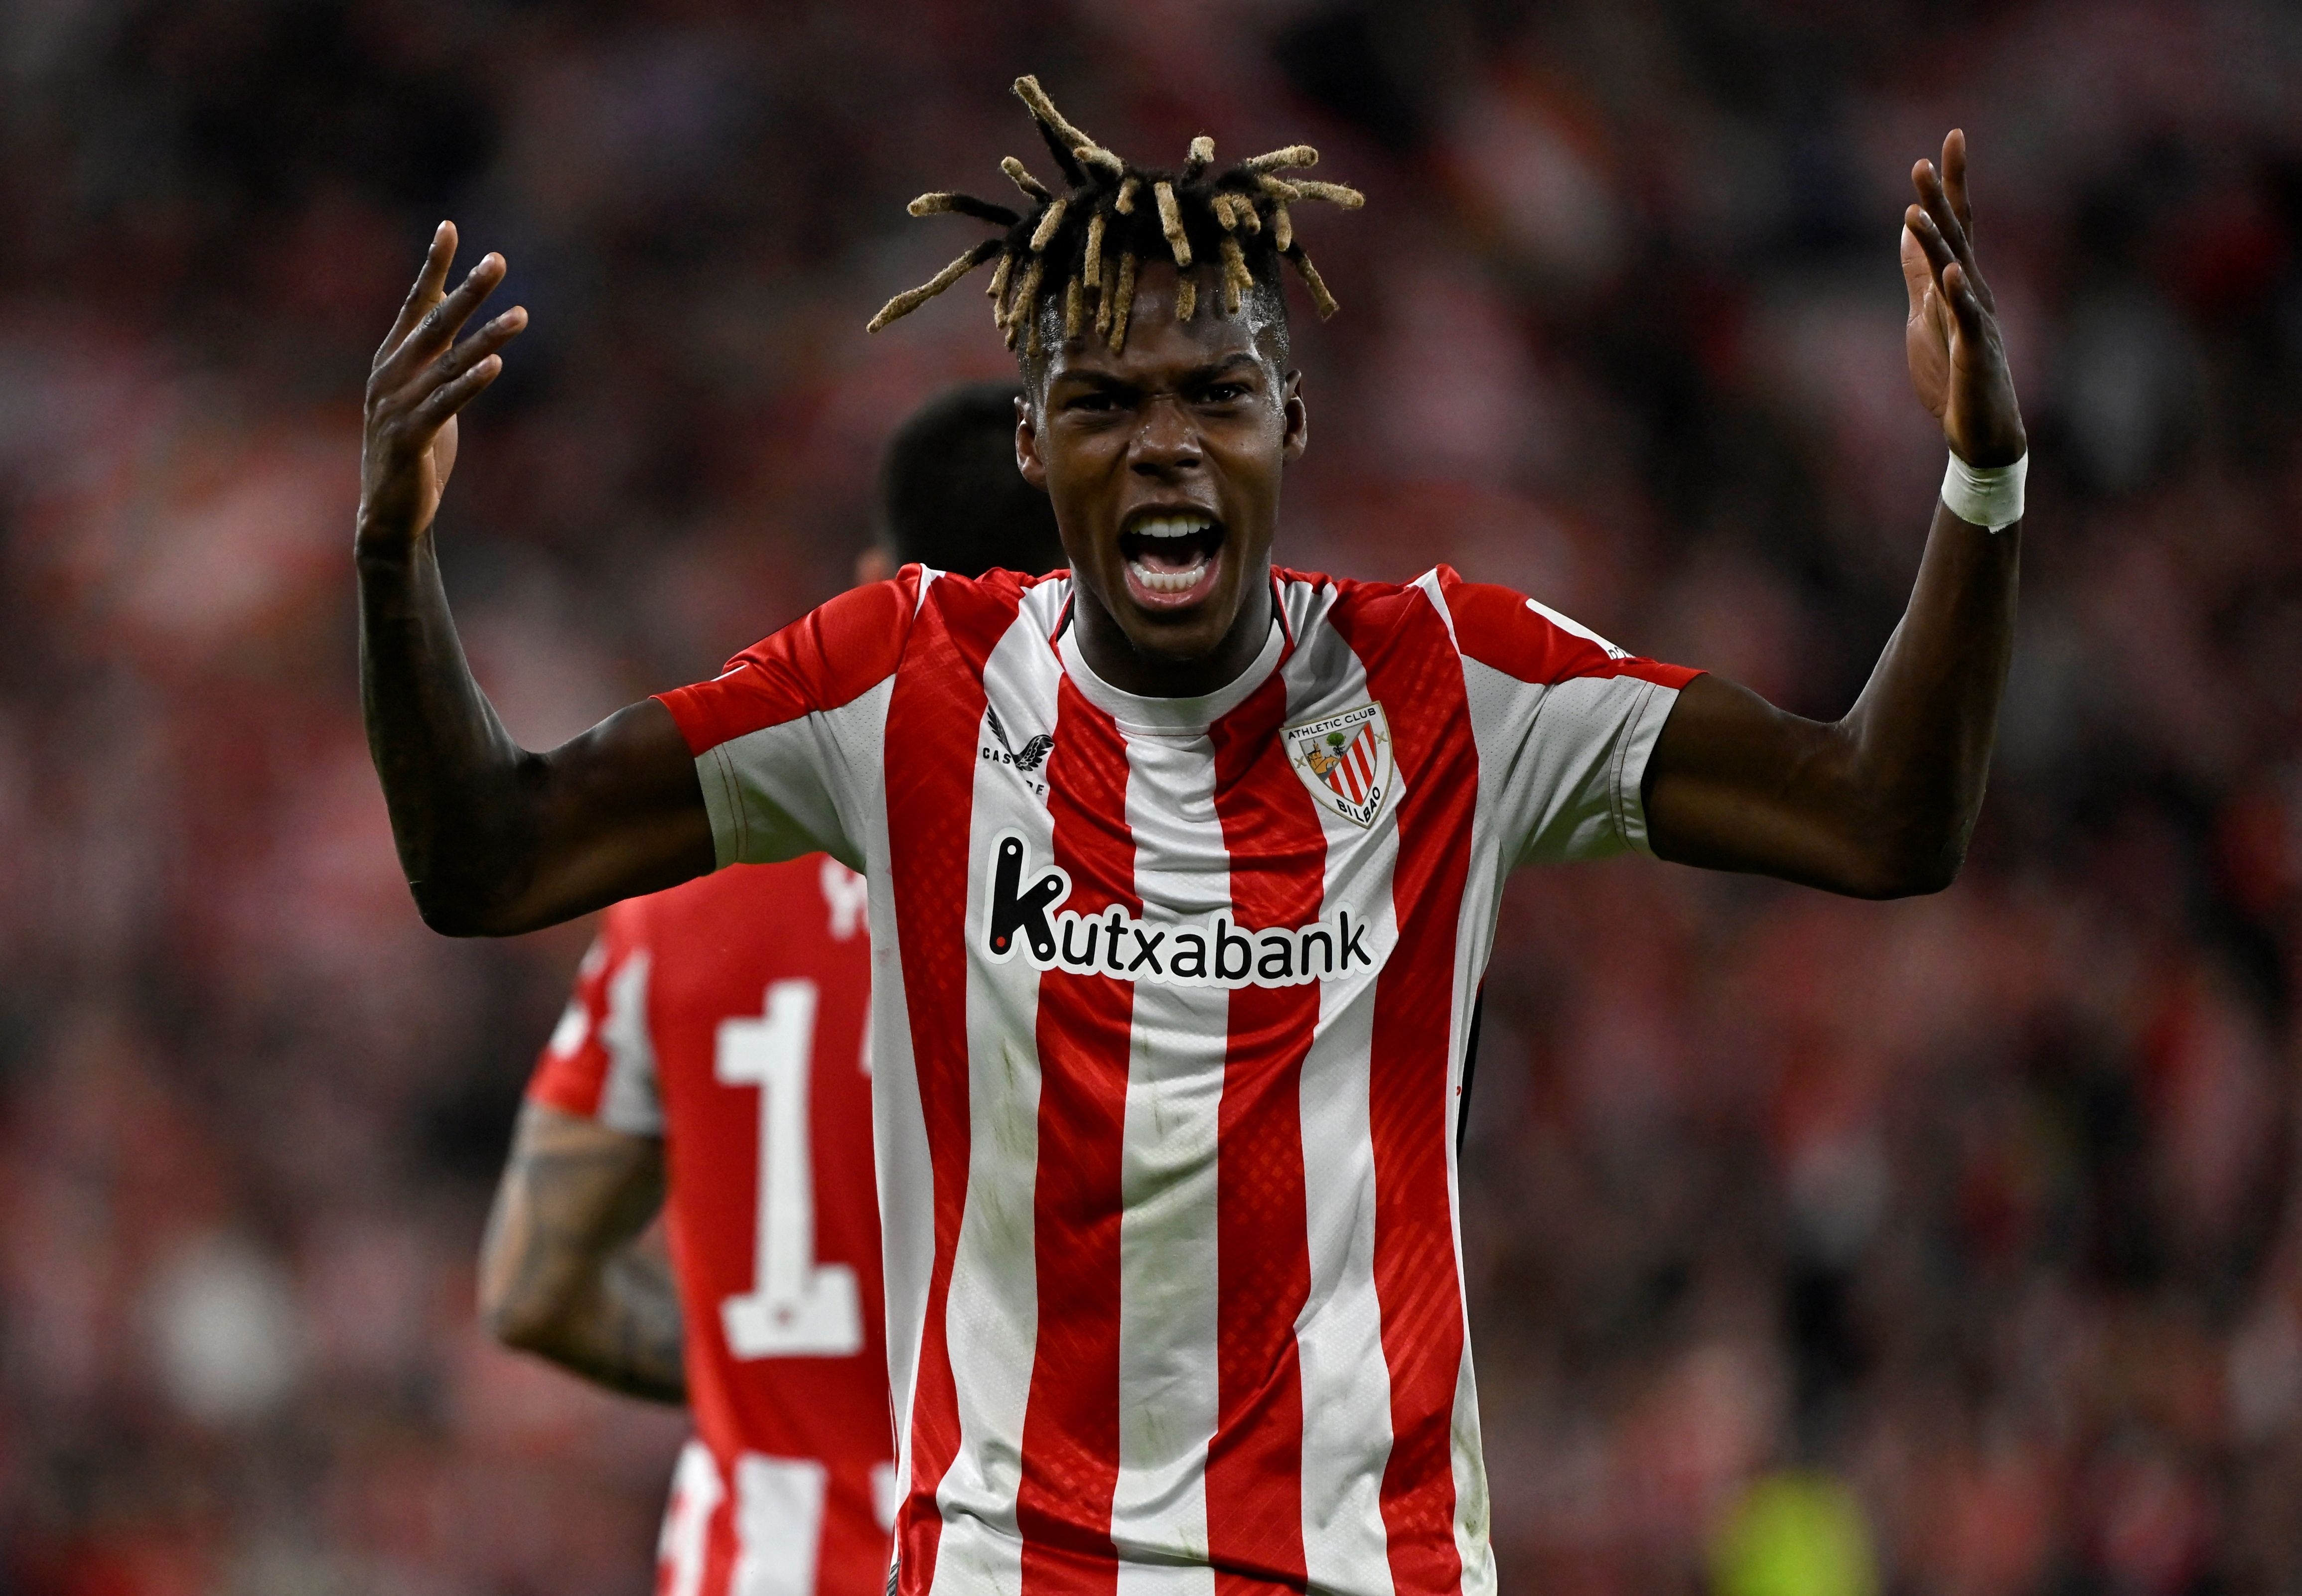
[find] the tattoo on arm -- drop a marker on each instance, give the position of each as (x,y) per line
(559,1275)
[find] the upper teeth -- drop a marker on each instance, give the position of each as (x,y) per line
(1173,526)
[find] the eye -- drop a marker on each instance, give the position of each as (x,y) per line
(1093,401)
(1225,393)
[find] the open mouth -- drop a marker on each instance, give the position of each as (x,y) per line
(1171,555)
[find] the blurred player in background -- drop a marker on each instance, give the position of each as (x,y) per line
(714,1064)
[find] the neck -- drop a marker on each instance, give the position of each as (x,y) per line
(1114,657)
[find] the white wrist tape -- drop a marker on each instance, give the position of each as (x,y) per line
(1989,496)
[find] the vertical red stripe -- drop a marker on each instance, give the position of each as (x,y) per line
(1403,643)
(1362,753)
(934,716)
(721,1542)
(1070,1428)
(1255,1462)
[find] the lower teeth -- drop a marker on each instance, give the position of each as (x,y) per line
(1168,582)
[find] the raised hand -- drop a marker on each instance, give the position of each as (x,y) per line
(420,379)
(1958,361)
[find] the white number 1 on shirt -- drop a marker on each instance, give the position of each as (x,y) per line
(796,1307)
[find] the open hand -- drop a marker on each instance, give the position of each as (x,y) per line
(1958,361)
(420,379)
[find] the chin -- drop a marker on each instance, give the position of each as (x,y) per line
(1181,634)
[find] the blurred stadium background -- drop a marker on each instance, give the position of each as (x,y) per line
(1946,1246)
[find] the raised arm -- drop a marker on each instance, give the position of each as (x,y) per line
(559,1275)
(1880,803)
(494,839)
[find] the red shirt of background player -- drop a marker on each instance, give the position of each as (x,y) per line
(728,1016)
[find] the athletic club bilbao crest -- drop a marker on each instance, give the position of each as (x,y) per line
(1345,760)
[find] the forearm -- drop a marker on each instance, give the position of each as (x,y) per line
(450,772)
(1918,739)
(619,1328)
(1879,803)
(559,1275)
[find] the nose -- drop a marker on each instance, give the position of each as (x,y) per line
(1167,442)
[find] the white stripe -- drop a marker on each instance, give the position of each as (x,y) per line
(991,1320)
(1169,1381)
(778,1525)
(905,1174)
(1345,1383)
(629,1100)
(696,1493)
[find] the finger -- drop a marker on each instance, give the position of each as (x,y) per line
(438,257)
(483,343)
(1954,174)
(449,398)
(1918,225)
(1928,184)
(463,358)
(1966,306)
(440,324)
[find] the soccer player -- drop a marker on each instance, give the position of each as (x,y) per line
(1168,1031)
(723,1023)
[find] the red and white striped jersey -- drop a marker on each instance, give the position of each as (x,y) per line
(729,1016)
(1170,1004)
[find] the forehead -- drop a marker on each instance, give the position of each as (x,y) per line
(1158,347)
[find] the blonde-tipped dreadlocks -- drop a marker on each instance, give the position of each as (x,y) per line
(1078,250)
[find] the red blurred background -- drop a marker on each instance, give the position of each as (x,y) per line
(1948,1246)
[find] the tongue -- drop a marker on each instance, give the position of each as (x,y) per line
(1171,554)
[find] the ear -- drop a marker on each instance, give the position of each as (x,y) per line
(1296,418)
(1027,445)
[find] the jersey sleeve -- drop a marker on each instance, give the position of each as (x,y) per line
(1565,721)
(787,739)
(599,1063)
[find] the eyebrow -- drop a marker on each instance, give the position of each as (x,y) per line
(1200,374)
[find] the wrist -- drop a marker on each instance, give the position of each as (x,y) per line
(1986,496)
(381,544)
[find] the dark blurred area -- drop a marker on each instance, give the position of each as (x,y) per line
(1816,1246)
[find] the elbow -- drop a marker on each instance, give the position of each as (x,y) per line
(1913,881)
(1911,867)
(445,916)
(522,1321)
(454,910)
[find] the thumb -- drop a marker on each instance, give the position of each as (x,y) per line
(443,449)
(1918,276)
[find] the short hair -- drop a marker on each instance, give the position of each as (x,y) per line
(1112,217)
(951,495)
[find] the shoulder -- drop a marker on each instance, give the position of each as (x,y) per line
(826,659)
(1394,620)
(1521,637)
(964,620)
(915,622)
(974,611)
(1439,611)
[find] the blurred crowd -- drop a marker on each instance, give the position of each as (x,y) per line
(1816,1246)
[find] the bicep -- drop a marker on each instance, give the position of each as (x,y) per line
(1735,784)
(619,813)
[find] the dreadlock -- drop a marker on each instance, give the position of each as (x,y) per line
(1074,254)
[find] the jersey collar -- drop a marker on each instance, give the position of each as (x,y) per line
(1135,712)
